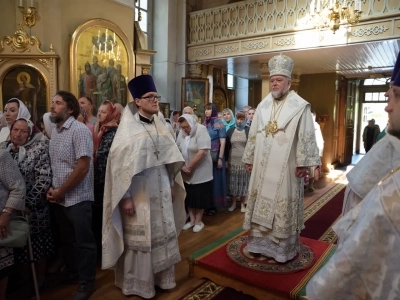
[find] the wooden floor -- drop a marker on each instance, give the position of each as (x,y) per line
(215,227)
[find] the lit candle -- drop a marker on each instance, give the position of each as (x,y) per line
(32,4)
(21,3)
(118,53)
(114,38)
(312,7)
(318,6)
(112,48)
(106,34)
(105,48)
(99,48)
(98,35)
(358,5)
(93,50)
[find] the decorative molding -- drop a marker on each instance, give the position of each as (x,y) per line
(254,18)
(227,49)
(255,45)
(203,52)
(264,66)
(285,42)
(45,62)
(376,30)
(20,41)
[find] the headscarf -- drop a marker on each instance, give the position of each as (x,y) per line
(175,125)
(193,126)
(111,121)
(244,123)
(34,135)
(48,125)
(214,116)
(232,122)
(23,111)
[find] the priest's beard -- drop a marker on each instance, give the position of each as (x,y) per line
(279,95)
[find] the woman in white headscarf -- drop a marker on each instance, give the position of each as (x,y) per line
(195,144)
(174,120)
(13,110)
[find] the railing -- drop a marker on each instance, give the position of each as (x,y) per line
(255,18)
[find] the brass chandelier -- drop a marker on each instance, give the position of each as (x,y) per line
(333,13)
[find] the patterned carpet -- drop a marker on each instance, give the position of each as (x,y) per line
(315,211)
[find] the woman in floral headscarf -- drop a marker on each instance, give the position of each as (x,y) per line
(31,154)
(228,119)
(217,132)
(13,110)
(105,129)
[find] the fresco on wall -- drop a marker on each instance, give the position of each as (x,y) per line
(102,62)
(28,85)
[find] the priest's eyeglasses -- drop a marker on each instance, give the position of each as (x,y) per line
(152,98)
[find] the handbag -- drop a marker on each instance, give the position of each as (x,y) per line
(19,228)
(214,155)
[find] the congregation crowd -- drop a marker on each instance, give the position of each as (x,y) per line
(120,186)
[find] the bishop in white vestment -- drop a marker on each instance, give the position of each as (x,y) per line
(280,148)
(142,219)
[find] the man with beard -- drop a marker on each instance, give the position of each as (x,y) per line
(71,150)
(365,265)
(280,148)
(143,198)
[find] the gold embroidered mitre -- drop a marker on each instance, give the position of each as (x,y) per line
(280,65)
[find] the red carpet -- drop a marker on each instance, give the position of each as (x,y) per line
(323,219)
(215,259)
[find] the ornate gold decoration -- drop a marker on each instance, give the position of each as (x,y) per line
(28,15)
(20,42)
(145,71)
(331,14)
(45,63)
(272,126)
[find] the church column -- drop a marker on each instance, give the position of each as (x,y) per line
(295,82)
(169,40)
(264,79)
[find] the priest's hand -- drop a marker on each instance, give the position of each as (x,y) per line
(248,167)
(128,207)
(301,171)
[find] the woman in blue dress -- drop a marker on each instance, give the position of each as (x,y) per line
(217,132)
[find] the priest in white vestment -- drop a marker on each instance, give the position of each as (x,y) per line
(366,263)
(382,158)
(280,149)
(143,198)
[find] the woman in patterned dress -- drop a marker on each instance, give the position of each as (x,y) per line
(31,154)
(105,129)
(12,197)
(238,177)
(217,132)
